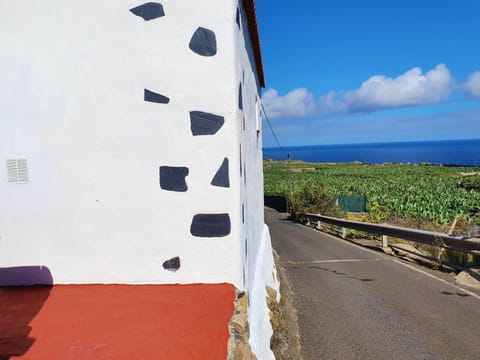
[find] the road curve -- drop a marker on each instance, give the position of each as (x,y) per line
(353,303)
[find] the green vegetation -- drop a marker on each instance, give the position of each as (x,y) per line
(436,194)
(312,198)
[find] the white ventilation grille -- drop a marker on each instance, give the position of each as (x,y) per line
(17,170)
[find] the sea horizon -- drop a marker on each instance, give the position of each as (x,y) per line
(465,152)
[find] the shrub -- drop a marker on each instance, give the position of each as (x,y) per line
(377,214)
(312,198)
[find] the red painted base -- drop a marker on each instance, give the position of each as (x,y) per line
(116,321)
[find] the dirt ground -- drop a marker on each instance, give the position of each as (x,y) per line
(285,341)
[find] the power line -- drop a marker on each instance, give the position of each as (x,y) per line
(273,132)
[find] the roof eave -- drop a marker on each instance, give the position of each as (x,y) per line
(251,14)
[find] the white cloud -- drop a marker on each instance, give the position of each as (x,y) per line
(472,86)
(297,103)
(409,89)
(330,103)
(412,88)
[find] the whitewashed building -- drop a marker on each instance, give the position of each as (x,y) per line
(131,146)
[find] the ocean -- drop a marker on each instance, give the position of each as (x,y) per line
(456,152)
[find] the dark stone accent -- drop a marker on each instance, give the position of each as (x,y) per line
(173,178)
(210,225)
(172,265)
(149,11)
(203,42)
(151,96)
(237,19)
(244,174)
(241,172)
(202,123)
(240,97)
(222,178)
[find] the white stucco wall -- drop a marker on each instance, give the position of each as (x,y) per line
(257,251)
(72,80)
(72,77)
(251,187)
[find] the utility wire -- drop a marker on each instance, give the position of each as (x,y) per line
(273,132)
(281,148)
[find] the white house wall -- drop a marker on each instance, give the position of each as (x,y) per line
(72,84)
(251,172)
(257,251)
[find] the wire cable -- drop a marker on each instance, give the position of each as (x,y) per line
(273,132)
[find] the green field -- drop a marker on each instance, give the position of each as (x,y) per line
(428,192)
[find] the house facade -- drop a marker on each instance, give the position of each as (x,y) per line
(130,137)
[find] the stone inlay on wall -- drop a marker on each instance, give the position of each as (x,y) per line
(173,178)
(154,97)
(237,20)
(240,97)
(210,225)
(222,178)
(149,11)
(244,174)
(204,42)
(172,265)
(202,123)
(241,172)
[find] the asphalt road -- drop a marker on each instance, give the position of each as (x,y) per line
(354,303)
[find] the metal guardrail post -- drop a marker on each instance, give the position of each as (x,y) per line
(384,241)
(344,233)
(319,224)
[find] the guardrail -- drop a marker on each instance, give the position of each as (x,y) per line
(463,244)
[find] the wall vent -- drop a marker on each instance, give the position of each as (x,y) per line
(17,171)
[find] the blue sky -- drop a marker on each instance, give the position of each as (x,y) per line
(350,71)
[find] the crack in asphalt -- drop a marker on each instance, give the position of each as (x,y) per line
(333,272)
(450,293)
(308,262)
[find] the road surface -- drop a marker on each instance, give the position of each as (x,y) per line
(354,303)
